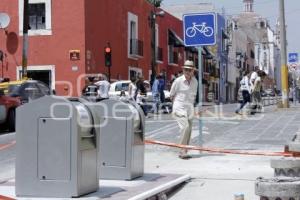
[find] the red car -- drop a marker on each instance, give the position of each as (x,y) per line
(8,107)
(16,94)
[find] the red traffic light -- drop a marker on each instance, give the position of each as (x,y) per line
(107,49)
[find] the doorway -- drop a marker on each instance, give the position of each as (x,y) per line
(44,73)
(134,72)
(40,75)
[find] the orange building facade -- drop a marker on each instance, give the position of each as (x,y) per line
(67,40)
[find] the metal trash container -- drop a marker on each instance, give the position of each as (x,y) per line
(121,139)
(56,154)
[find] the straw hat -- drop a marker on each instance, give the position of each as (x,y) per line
(188,64)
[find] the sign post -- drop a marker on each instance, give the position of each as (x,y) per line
(293,64)
(199,30)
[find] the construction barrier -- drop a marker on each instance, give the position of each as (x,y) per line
(223,151)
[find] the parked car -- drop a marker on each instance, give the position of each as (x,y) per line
(8,107)
(16,93)
(118,86)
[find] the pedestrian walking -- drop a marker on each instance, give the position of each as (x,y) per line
(161,88)
(256,92)
(103,88)
(132,89)
(245,89)
(155,95)
(183,94)
(253,77)
(141,95)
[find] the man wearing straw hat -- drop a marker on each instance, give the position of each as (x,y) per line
(183,94)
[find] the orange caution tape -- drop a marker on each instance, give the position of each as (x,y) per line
(212,150)
(4,146)
(224,151)
(6,198)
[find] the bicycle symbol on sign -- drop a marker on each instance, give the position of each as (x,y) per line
(201,28)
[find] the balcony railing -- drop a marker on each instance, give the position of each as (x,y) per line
(136,47)
(173,58)
(159,54)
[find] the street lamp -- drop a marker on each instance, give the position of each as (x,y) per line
(152,19)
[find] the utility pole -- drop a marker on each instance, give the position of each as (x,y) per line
(153,46)
(152,20)
(284,69)
(25,39)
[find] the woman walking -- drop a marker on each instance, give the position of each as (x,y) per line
(132,90)
(245,88)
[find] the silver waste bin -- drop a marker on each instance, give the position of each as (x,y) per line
(121,149)
(56,154)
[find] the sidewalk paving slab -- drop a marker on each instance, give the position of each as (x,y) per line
(213,176)
(141,188)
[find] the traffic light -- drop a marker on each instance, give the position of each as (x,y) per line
(107,56)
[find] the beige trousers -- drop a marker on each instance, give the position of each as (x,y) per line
(185,124)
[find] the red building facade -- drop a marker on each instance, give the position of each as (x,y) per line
(67,40)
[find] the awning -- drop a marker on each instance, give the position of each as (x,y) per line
(207,53)
(191,49)
(174,39)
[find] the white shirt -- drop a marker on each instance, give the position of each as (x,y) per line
(245,84)
(103,88)
(253,77)
(132,90)
(184,94)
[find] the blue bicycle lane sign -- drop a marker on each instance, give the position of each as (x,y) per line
(293,57)
(199,29)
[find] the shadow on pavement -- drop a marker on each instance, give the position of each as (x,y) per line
(172,191)
(205,155)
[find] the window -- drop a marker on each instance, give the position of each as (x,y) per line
(39,17)
(173,55)
(135,46)
(133,37)
(252,55)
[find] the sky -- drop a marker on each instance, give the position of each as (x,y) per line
(266,8)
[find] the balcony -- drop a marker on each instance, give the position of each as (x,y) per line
(136,48)
(159,54)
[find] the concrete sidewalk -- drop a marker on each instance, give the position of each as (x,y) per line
(214,176)
(220,176)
